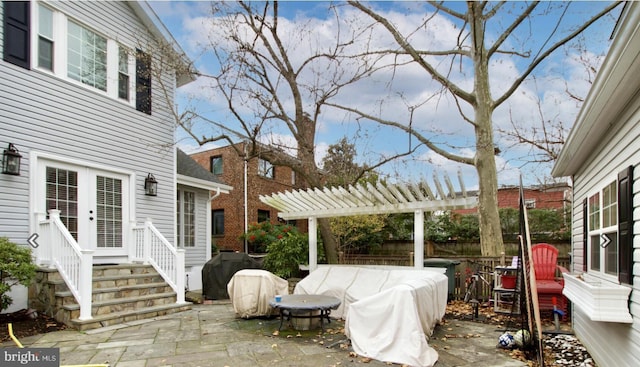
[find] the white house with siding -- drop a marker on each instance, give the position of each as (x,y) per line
(601,155)
(86,105)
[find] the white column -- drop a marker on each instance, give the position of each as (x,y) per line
(418,239)
(85,284)
(313,244)
(146,249)
(180,275)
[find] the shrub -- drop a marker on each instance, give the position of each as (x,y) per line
(285,254)
(260,235)
(16,267)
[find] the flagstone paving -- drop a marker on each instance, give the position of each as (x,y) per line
(211,335)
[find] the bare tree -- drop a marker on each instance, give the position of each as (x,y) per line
(477,46)
(546,136)
(274,81)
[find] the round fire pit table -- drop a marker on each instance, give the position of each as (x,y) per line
(305,306)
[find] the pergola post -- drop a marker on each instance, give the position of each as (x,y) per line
(313,244)
(418,238)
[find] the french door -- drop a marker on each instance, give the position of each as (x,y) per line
(93,205)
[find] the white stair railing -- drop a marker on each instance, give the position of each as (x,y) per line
(72,262)
(153,248)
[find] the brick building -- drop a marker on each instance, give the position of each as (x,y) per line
(228,211)
(556,196)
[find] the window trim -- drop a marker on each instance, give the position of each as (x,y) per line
(60,22)
(600,230)
(180,219)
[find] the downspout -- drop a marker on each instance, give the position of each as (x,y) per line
(209,225)
(246,210)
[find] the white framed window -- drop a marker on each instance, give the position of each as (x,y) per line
(45,38)
(603,230)
(73,51)
(124,81)
(186,218)
(86,56)
(265,168)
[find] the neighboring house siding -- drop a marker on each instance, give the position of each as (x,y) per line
(42,113)
(619,150)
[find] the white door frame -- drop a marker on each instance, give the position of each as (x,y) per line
(87,173)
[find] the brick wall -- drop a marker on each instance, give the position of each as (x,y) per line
(233,203)
(548,198)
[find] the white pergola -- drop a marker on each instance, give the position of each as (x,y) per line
(369,199)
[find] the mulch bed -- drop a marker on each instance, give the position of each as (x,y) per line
(27,323)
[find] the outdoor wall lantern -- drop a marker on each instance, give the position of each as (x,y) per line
(150,185)
(11,161)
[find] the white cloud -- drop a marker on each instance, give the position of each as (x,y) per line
(391,92)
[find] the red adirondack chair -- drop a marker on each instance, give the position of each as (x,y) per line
(549,279)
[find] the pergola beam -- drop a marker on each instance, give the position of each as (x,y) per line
(316,203)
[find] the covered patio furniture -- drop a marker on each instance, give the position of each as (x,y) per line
(549,281)
(394,325)
(217,272)
(251,290)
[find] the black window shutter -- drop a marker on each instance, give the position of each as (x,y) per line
(585,234)
(625,226)
(143,82)
(15,23)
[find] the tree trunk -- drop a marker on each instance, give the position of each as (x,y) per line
(491,243)
(328,241)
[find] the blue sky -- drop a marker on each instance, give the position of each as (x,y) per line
(189,24)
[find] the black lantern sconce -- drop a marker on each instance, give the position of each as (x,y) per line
(150,185)
(11,161)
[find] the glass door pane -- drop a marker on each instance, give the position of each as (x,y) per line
(62,194)
(109,212)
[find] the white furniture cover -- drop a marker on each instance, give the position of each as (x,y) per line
(250,291)
(389,313)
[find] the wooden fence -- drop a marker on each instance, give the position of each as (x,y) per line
(463,267)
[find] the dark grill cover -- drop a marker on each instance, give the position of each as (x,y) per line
(218,271)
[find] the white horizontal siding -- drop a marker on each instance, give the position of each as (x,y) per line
(610,344)
(618,150)
(42,113)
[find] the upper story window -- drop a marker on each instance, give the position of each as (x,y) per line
(124,82)
(216,165)
(45,38)
(39,36)
(266,169)
(86,56)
